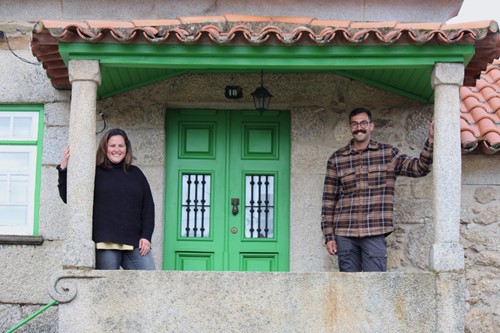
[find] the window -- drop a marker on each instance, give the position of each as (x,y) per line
(259,206)
(195,205)
(21,132)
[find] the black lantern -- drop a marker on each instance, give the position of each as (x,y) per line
(261,97)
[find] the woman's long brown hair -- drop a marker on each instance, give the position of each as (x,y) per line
(102,150)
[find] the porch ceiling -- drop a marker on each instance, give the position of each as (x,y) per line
(391,55)
(404,70)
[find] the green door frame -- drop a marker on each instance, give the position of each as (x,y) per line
(225,148)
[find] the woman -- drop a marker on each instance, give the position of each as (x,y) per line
(123,216)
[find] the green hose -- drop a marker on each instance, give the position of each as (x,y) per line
(15,327)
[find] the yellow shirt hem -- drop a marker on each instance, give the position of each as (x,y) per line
(113,246)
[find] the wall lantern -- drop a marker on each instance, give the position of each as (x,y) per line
(261,97)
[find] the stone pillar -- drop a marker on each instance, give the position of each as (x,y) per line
(79,249)
(447,253)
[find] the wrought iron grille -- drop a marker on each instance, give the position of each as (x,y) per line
(195,206)
(259,206)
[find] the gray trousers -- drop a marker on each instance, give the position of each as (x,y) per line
(366,254)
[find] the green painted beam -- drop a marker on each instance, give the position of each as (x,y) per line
(266,57)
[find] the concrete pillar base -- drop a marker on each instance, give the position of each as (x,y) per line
(447,257)
(78,254)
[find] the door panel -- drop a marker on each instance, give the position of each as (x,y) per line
(226,173)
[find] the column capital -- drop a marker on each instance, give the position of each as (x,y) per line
(447,73)
(84,70)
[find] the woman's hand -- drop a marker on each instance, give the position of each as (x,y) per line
(144,246)
(65,158)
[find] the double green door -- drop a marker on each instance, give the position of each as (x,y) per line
(227,190)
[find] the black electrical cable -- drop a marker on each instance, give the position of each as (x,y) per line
(105,125)
(4,35)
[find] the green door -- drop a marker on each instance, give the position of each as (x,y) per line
(227,190)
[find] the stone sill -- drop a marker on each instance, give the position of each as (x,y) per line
(20,240)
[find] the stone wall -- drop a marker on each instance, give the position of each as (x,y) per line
(480,234)
(367,10)
(261,302)
(26,268)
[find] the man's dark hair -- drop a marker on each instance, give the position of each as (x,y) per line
(357,111)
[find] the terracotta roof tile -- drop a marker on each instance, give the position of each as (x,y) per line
(110,24)
(331,23)
(470,25)
(420,26)
(480,112)
(469,141)
(202,19)
(292,19)
(62,24)
(154,23)
(495,104)
(483,35)
(246,18)
(374,25)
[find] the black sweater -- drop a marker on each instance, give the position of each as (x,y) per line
(123,205)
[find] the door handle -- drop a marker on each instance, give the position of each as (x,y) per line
(235,202)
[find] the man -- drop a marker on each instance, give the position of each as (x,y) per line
(358,195)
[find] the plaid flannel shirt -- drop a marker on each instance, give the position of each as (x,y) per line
(358,193)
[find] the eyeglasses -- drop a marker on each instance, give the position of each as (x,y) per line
(363,124)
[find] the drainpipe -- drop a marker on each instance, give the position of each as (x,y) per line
(78,248)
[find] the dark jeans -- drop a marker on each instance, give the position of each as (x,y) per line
(366,254)
(113,259)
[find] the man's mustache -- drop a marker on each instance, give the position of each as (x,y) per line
(359,131)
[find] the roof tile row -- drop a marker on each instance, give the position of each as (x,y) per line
(260,30)
(480,112)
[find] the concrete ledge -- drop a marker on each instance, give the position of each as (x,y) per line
(167,301)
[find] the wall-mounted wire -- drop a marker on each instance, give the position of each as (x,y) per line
(3,35)
(103,117)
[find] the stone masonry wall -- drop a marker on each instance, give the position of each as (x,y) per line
(480,234)
(26,269)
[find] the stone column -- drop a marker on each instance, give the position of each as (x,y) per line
(79,249)
(447,253)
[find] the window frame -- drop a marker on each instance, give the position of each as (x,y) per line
(36,143)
